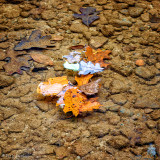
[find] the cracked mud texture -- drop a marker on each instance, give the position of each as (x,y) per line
(32,127)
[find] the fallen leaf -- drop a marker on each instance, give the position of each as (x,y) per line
(88,15)
(90,88)
(73,57)
(17,61)
(89,68)
(53,86)
(89,105)
(41,58)
(35,41)
(83,79)
(72,66)
(97,56)
(76,47)
(62,80)
(73,100)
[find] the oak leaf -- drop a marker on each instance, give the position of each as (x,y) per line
(90,88)
(83,79)
(41,58)
(53,86)
(73,100)
(89,105)
(97,56)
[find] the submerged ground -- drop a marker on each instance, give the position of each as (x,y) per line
(127,126)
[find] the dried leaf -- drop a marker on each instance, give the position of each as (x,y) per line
(89,67)
(83,79)
(76,47)
(97,56)
(73,100)
(41,58)
(35,41)
(90,88)
(72,66)
(17,61)
(88,15)
(53,86)
(89,105)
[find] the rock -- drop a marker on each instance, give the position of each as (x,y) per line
(157,143)
(61,152)
(42,105)
(125,112)
(144,72)
(6,80)
(48,14)
(4,45)
(11,11)
(146,102)
(34,122)
(13,103)
(78,27)
(114,119)
(155,114)
(3,37)
(107,30)
(124,67)
(42,149)
(19,91)
(101,2)
(118,86)
(97,41)
(82,147)
(118,142)
(13,125)
(99,129)
(148,136)
(145,17)
(151,124)
(123,22)
(119,99)
(135,11)
(58,66)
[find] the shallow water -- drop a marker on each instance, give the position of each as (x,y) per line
(126,127)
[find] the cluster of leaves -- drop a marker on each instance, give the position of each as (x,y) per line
(72,98)
(17,57)
(92,61)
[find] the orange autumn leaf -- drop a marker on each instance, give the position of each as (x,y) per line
(77,102)
(53,86)
(73,100)
(83,79)
(97,56)
(62,80)
(90,104)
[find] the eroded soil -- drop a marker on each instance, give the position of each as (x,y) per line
(127,126)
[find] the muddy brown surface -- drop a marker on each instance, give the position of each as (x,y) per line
(127,126)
